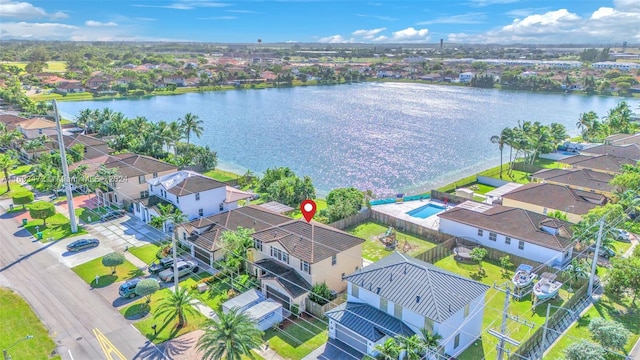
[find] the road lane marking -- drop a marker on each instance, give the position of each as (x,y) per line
(107,347)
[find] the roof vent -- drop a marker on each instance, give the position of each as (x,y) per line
(405,269)
(391,277)
(378,290)
(275,233)
(417,298)
(370,285)
(449,307)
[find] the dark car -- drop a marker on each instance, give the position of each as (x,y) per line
(604,252)
(128,289)
(163,264)
(111,215)
(83,244)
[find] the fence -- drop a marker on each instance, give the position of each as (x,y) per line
(318,310)
(439,252)
(409,227)
(491,181)
(528,168)
(352,220)
(451,198)
(394,200)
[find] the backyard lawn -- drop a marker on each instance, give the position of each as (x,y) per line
(146,253)
(14,186)
(214,297)
(58,227)
(166,329)
(88,216)
(373,249)
(486,346)
(321,204)
(609,309)
(298,338)
(89,270)
(17,320)
(221,175)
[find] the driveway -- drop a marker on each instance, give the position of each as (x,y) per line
(126,231)
(334,350)
(71,259)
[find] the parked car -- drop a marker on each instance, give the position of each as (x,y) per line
(112,214)
(83,244)
(621,235)
(63,190)
(128,289)
(162,264)
(604,252)
(185,267)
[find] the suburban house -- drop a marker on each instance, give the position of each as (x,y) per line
(201,236)
(631,151)
(544,198)
(579,179)
(93,147)
(194,194)
(605,163)
(36,127)
(99,83)
(400,295)
(292,257)
(70,87)
(465,77)
(623,139)
(130,183)
(514,231)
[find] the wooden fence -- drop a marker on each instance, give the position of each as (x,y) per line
(409,227)
(439,252)
(352,220)
(318,310)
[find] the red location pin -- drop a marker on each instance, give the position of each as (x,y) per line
(308,209)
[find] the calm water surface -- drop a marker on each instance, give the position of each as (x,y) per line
(390,137)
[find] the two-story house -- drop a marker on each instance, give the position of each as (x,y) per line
(400,295)
(195,195)
(545,198)
(512,230)
(292,257)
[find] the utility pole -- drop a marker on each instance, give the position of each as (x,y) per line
(544,329)
(595,258)
(65,170)
(502,336)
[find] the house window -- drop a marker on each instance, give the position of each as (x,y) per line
(466,310)
(257,244)
(39,131)
(137,207)
(141,179)
(544,211)
(151,187)
(492,236)
(428,324)
(200,212)
(480,232)
(521,245)
(565,255)
(155,174)
(355,290)
(384,304)
(197,196)
(184,236)
(177,200)
(334,259)
(507,240)
(144,194)
(86,150)
(456,341)
(304,266)
(280,255)
(221,206)
(397,311)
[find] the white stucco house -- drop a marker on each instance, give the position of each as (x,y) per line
(513,230)
(398,296)
(194,194)
(465,77)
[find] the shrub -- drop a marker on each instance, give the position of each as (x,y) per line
(295,309)
(113,260)
(147,287)
(22,198)
(42,210)
(320,293)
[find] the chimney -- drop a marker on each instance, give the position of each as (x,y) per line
(417,298)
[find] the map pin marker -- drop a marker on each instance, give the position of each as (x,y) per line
(308,209)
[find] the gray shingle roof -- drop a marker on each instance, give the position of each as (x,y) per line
(584,178)
(368,321)
(133,165)
(311,242)
(554,196)
(631,151)
(295,284)
(418,286)
(605,162)
(516,223)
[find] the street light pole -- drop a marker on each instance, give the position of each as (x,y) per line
(65,170)
(595,259)
(5,352)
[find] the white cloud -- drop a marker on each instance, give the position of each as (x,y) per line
(335,39)
(482,3)
(561,26)
(368,34)
(520,13)
(470,18)
(25,10)
(627,5)
(410,35)
(24,30)
(93,23)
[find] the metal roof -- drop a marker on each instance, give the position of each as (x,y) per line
(368,321)
(277,207)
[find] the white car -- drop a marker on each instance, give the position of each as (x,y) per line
(184,268)
(621,235)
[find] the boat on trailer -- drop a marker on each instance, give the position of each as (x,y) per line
(523,276)
(547,287)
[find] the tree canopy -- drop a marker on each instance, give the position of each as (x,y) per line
(113,260)
(282,185)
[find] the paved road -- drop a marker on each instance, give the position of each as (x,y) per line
(63,301)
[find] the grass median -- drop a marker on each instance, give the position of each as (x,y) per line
(89,270)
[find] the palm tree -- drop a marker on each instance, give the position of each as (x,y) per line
(169,214)
(229,337)
(430,341)
(389,350)
(499,139)
(7,161)
(412,346)
(191,124)
(177,305)
(577,270)
(9,137)
(173,134)
(586,123)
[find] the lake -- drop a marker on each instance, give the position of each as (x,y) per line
(385,137)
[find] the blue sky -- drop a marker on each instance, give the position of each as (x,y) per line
(376,21)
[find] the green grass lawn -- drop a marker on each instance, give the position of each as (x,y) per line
(621,247)
(18,320)
(321,204)
(146,253)
(486,346)
(607,308)
(297,339)
(166,329)
(58,227)
(483,189)
(90,215)
(52,66)
(89,270)
(374,250)
(215,296)
(14,186)
(222,175)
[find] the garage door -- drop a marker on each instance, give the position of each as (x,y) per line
(201,254)
(279,297)
(350,338)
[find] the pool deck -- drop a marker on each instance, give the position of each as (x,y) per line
(399,210)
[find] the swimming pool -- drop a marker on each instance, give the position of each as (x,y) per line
(424,212)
